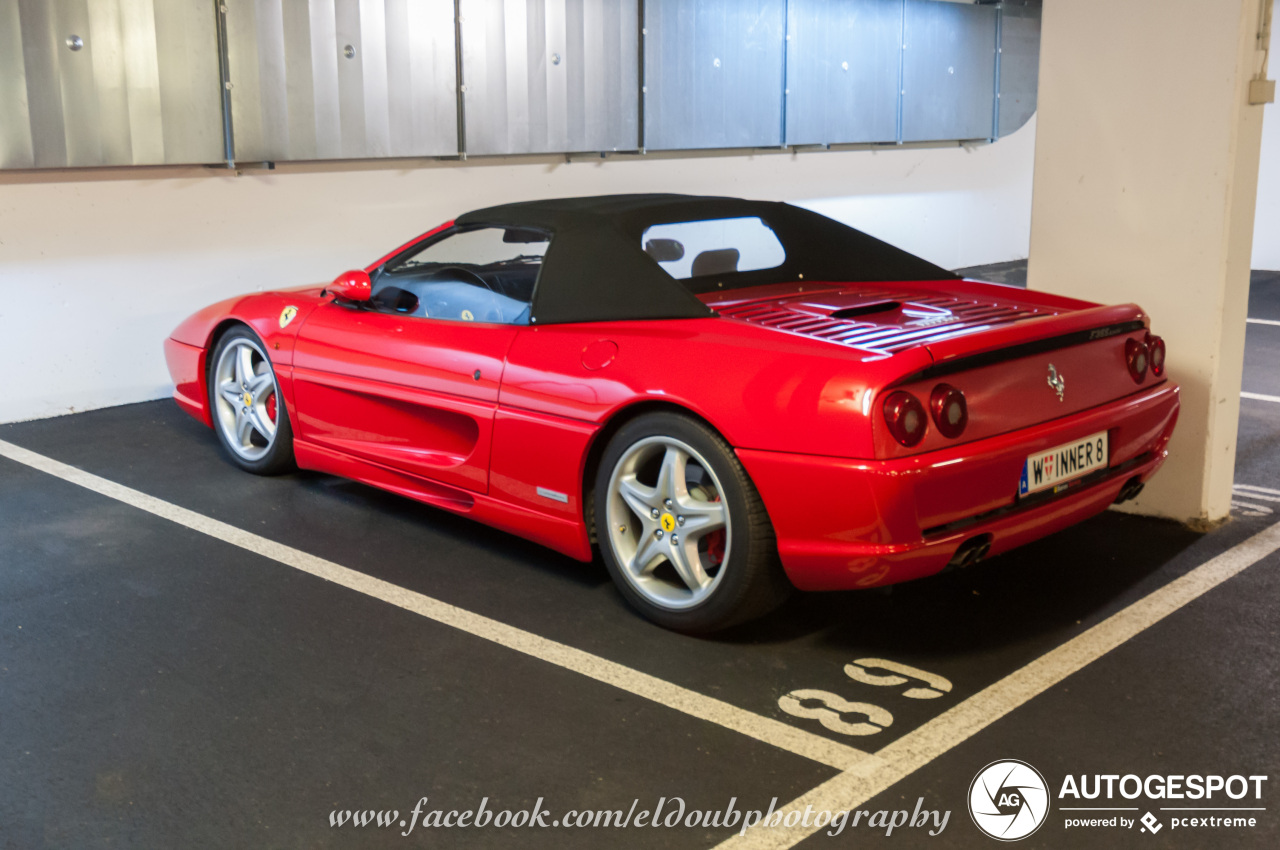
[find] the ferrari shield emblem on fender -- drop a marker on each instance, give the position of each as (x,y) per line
(286,316)
(1056,382)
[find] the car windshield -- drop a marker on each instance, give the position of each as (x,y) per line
(476,274)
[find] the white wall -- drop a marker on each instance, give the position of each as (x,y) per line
(1266,225)
(97,267)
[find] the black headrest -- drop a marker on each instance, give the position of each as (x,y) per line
(722,261)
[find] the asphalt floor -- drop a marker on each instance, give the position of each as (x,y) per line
(160,688)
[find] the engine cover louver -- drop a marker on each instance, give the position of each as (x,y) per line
(886,322)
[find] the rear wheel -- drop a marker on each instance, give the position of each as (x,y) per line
(248,411)
(682,529)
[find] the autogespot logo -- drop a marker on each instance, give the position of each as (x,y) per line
(1008,799)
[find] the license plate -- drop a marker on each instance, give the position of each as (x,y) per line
(1060,464)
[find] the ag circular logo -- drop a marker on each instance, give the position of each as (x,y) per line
(1008,800)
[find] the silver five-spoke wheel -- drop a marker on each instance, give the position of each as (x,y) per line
(682,529)
(668,525)
(246,399)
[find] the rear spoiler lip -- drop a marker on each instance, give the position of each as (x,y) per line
(1011,342)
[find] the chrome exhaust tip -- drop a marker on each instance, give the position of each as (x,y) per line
(971,551)
(1130,490)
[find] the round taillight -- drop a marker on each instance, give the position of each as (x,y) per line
(905,416)
(1137,357)
(1155,354)
(950,413)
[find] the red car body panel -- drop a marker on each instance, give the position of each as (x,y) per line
(186,367)
(187,349)
(503,422)
(418,395)
(893,523)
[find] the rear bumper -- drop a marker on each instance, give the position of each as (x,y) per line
(845,524)
(186,367)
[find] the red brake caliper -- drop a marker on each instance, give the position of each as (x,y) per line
(715,542)
(271,407)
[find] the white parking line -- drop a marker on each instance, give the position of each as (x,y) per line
(1269,490)
(1249,494)
(1242,492)
(916,749)
(1261,397)
(765,729)
(1262,321)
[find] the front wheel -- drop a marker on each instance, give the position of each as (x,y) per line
(682,529)
(248,410)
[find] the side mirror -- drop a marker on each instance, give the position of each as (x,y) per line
(353,286)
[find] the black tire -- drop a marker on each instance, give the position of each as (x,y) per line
(749,581)
(276,456)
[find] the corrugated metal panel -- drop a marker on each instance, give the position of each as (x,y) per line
(1019,64)
(339,79)
(15,118)
(140,86)
(713,73)
(550,75)
(843,59)
(331,79)
(948,71)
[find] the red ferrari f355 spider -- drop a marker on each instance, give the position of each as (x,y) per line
(729,398)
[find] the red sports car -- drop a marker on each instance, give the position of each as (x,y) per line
(728,398)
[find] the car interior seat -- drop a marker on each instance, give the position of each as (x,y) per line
(720,261)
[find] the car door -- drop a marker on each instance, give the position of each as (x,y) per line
(410,380)
(417,395)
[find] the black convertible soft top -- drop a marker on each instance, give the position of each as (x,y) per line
(596,268)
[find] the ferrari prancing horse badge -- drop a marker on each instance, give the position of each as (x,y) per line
(286,316)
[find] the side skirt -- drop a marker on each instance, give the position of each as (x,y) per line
(555,532)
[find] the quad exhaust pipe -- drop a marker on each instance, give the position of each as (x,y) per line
(1130,490)
(971,551)
(975,549)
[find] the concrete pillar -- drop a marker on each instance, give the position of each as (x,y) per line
(1144,188)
